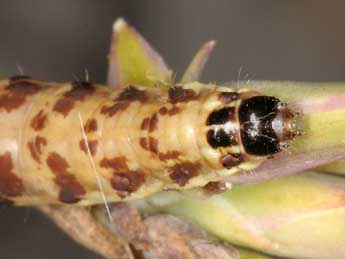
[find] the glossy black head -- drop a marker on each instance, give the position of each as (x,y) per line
(257,117)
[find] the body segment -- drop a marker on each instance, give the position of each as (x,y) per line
(60,142)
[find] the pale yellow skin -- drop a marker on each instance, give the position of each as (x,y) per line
(117,136)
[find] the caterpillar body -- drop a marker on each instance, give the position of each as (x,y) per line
(81,143)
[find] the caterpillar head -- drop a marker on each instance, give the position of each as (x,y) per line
(250,127)
(267,125)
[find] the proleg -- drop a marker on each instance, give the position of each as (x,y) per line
(60,142)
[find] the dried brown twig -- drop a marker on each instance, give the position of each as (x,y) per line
(132,236)
(81,226)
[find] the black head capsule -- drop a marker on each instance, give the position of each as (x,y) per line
(266,125)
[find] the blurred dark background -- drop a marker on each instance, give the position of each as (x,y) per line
(54,40)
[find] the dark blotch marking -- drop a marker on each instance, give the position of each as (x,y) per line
(163,110)
(128,182)
(10,184)
(63,106)
(36,147)
(71,190)
(215,187)
(124,180)
(116,163)
(33,151)
(91,126)
(79,91)
(231,160)
(145,124)
(150,144)
(92,145)
(178,94)
(227,97)
(221,116)
(172,111)
(169,155)
(130,94)
(112,110)
(18,77)
(153,123)
(16,94)
(182,172)
(219,138)
(22,87)
(144,143)
(39,121)
(153,145)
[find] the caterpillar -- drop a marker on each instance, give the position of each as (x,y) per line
(80,143)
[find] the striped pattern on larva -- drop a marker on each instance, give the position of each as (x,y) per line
(60,142)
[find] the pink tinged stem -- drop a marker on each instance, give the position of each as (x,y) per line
(286,164)
(329,103)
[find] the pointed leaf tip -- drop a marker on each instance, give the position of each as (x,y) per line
(119,24)
(132,60)
(197,65)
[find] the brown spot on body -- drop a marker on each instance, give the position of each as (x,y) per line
(78,92)
(228,97)
(169,155)
(153,145)
(41,141)
(179,94)
(33,152)
(92,146)
(153,123)
(10,184)
(113,109)
(91,125)
(71,190)
(16,94)
(172,111)
(144,143)
(130,94)
(215,187)
(25,88)
(36,146)
(124,180)
(128,182)
(145,124)
(163,110)
(63,106)
(116,163)
(231,160)
(150,144)
(182,172)
(39,121)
